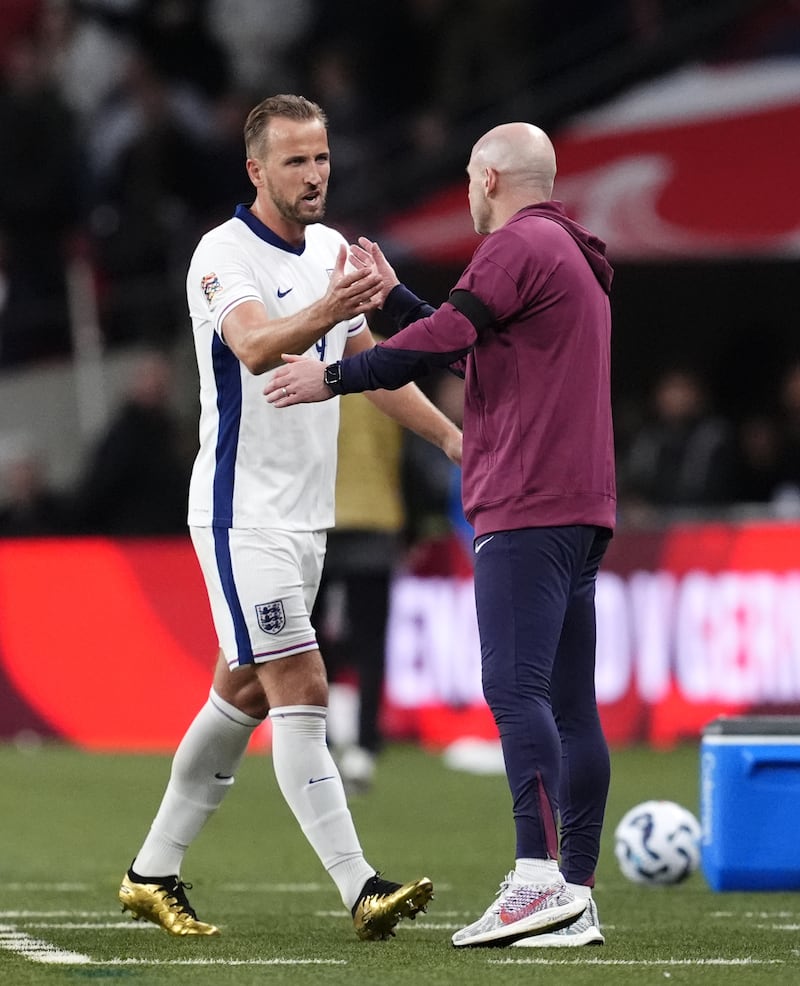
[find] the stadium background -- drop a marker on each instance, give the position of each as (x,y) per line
(676,130)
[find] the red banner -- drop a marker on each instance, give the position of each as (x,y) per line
(693,622)
(661,172)
(109,644)
(106,644)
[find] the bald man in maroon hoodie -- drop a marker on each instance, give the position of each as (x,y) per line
(528,325)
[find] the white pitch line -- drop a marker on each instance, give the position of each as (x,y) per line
(125,962)
(45,953)
(274,888)
(20,915)
(760,915)
(91,925)
(36,950)
(57,887)
(638,962)
(344,915)
(453,914)
(429,926)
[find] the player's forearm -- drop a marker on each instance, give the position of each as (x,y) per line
(297,333)
(261,351)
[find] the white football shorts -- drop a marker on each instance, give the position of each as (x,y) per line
(261,587)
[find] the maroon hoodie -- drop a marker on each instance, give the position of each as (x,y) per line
(538,438)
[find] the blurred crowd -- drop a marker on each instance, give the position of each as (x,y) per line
(134,476)
(684,457)
(121,124)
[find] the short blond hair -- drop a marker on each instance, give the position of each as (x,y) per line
(288,107)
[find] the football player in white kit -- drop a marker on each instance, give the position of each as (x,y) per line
(272,280)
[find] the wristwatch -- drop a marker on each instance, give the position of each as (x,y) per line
(333,377)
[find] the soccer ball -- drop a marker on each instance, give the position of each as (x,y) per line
(658,842)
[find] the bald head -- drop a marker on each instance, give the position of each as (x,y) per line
(513,165)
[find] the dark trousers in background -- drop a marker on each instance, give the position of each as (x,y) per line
(350,616)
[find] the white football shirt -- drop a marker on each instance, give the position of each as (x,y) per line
(261,466)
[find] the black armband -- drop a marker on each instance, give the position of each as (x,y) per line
(471,307)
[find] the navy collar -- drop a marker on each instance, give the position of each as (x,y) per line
(264,232)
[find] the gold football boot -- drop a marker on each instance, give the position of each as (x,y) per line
(382,904)
(164,903)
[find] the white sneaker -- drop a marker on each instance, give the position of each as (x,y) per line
(584,930)
(521,909)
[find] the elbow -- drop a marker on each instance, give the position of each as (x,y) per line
(257,363)
(262,366)
(255,367)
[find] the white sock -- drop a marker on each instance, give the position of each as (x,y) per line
(203,770)
(310,783)
(537,871)
(580,890)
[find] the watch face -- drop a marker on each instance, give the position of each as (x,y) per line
(333,374)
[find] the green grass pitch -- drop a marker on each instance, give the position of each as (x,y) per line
(70,823)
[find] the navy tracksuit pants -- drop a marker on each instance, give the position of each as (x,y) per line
(534,591)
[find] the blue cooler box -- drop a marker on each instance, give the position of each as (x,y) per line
(750,803)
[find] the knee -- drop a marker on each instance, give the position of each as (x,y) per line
(514,703)
(250,699)
(296,680)
(244,691)
(499,697)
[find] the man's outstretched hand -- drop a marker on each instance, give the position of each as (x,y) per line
(298,381)
(367,255)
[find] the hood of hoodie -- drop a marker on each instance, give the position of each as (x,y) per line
(591,246)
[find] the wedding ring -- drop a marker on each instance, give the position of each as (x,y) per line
(285,392)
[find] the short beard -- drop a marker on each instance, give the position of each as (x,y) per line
(289,210)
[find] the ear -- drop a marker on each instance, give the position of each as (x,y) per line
(490,181)
(255,172)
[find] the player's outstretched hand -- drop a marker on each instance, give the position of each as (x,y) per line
(368,255)
(298,381)
(351,293)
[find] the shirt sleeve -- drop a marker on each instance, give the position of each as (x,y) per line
(356,326)
(220,282)
(403,307)
(434,341)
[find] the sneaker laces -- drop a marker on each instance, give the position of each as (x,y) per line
(513,894)
(505,885)
(375,887)
(178,893)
